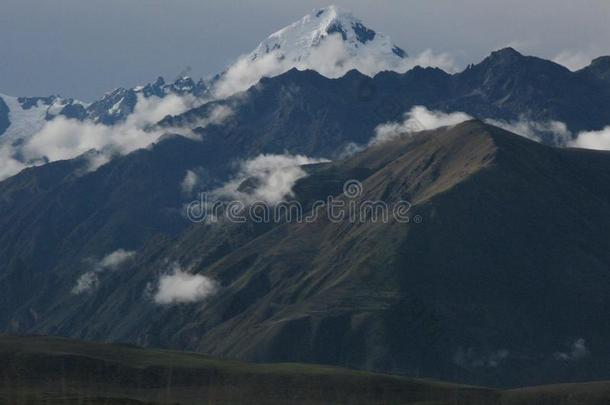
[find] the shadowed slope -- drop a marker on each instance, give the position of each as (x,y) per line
(508,268)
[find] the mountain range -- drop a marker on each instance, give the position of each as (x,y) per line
(21,117)
(499,278)
(532,96)
(454,286)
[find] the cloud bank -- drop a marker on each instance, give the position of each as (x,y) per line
(270,178)
(555,132)
(599,140)
(64,138)
(330,58)
(551,132)
(419,118)
(180,287)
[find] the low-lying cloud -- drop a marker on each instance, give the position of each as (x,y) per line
(575,59)
(181,287)
(551,132)
(330,58)
(554,132)
(86,282)
(9,165)
(599,140)
(65,138)
(112,261)
(216,116)
(189,182)
(419,118)
(270,177)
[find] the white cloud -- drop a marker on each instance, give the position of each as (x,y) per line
(112,261)
(9,166)
(551,132)
(218,115)
(331,58)
(419,118)
(64,138)
(599,140)
(579,351)
(86,282)
(273,177)
(350,149)
(115,259)
(182,287)
(429,58)
(557,132)
(190,181)
(574,59)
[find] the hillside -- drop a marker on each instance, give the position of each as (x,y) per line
(60,371)
(506,271)
(53,370)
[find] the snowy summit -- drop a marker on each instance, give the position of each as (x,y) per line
(329,40)
(299,40)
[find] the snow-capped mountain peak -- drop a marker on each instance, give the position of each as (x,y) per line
(295,40)
(329,40)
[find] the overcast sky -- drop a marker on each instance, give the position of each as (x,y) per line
(83,48)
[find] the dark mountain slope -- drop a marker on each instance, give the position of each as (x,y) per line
(58,216)
(511,86)
(303,112)
(508,268)
(512,255)
(299,112)
(599,69)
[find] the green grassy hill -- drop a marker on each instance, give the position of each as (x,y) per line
(49,370)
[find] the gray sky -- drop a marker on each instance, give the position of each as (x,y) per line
(83,48)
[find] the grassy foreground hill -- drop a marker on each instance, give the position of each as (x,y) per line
(56,370)
(53,370)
